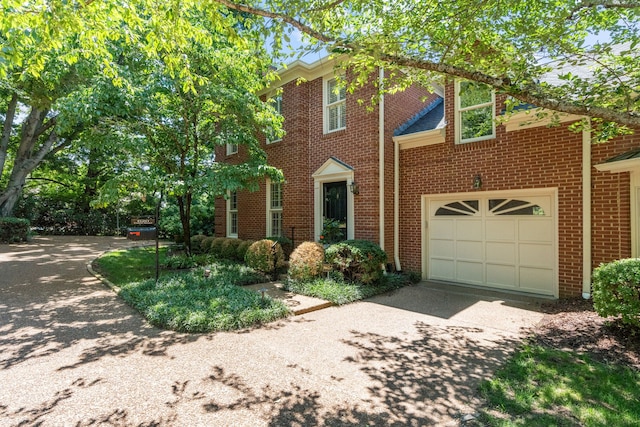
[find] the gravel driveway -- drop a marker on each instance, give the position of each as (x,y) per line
(73,354)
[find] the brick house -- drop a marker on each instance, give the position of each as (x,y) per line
(443,188)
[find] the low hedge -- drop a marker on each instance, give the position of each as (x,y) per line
(13,230)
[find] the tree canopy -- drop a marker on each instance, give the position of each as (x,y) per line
(577,57)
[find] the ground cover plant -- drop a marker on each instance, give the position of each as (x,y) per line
(188,301)
(337,290)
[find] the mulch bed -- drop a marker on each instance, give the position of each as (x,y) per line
(572,324)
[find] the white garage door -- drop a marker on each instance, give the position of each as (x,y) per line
(500,240)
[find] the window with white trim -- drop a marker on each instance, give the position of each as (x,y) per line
(274,208)
(475,112)
(276,101)
(335,105)
(232,214)
(232,149)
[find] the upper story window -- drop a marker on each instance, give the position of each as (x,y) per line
(232,149)
(335,105)
(277,105)
(232,214)
(475,112)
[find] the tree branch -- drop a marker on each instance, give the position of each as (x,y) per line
(49,180)
(529,94)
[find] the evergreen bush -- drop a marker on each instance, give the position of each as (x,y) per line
(241,251)
(13,230)
(265,256)
(616,290)
(196,243)
(205,245)
(216,246)
(306,261)
(229,249)
(357,260)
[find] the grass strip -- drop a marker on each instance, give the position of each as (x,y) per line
(541,386)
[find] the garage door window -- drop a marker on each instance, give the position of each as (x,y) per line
(464,207)
(514,207)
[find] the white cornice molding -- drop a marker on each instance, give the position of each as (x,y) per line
(526,119)
(619,166)
(421,139)
(302,70)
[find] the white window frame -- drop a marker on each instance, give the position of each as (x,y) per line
(328,106)
(232,210)
(277,104)
(232,149)
(460,110)
(271,209)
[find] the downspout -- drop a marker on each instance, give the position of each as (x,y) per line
(586,213)
(381,164)
(396,205)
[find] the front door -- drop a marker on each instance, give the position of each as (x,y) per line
(335,204)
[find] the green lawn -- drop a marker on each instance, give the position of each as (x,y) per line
(540,386)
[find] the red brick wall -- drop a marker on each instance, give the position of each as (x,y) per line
(524,159)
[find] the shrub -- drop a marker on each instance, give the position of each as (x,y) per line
(265,256)
(205,245)
(306,261)
(216,246)
(357,260)
(241,251)
(229,248)
(196,243)
(179,262)
(616,290)
(285,242)
(331,231)
(13,230)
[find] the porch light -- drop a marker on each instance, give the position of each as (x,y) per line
(354,188)
(477,182)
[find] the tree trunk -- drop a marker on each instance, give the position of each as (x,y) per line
(184,203)
(6,130)
(27,157)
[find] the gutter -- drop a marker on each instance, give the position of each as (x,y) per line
(396,204)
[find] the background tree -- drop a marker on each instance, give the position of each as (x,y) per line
(538,52)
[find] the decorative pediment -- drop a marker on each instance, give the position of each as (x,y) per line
(332,166)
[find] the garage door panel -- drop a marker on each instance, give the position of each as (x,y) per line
(501,275)
(539,280)
(536,230)
(470,272)
(535,255)
(442,249)
(502,229)
(470,251)
(442,269)
(442,229)
(469,229)
(501,252)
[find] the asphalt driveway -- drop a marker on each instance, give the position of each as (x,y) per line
(73,354)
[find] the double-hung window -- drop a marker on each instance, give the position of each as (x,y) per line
(274,208)
(475,112)
(335,105)
(232,214)
(277,105)
(232,149)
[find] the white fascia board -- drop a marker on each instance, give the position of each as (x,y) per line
(526,120)
(299,69)
(619,166)
(420,139)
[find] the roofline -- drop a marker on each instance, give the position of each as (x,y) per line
(300,69)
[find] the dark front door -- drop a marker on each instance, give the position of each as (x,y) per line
(335,204)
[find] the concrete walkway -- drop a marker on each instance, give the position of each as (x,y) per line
(73,354)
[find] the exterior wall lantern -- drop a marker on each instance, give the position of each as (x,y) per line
(477,182)
(354,188)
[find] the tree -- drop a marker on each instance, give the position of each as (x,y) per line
(175,121)
(534,51)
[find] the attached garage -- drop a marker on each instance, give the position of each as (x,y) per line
(505,240)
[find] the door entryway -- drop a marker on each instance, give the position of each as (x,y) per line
(335,204)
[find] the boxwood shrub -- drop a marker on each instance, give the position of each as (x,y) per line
(306,261)
(357,260)
(265,256)
(196,243)
(616,290)
(13,230)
